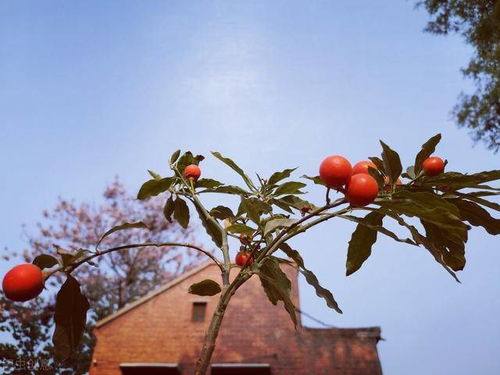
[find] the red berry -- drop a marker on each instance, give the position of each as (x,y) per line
(433,166)
(362,167)
(361,190)
(335,171)
(241,259)
(23,282)
(192,172)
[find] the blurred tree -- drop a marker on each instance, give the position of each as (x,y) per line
(121,278)
(478,21)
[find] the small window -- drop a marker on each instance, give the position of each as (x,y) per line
(241,369)
(199,309)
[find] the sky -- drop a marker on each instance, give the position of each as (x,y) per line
(90,90)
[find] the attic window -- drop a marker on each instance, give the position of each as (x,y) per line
(199,309)
(241,369)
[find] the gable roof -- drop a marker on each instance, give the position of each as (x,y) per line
(153,294)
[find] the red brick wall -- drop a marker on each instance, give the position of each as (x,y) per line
(255,331)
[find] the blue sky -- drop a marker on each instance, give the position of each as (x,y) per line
(90,90)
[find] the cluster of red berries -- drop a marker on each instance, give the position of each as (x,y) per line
(360,187)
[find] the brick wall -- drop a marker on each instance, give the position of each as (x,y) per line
(253,331)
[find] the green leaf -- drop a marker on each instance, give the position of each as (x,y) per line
(237,169)
(392,163)
(254,208)
(311,278)
(155,175)
(426,151)
(187,159)
(290,187)
(175,156)
(278,176)
(221,212)
(206,287)
(452,253)
(476,198)
(213,230)
(240,228)
(278,223)
(207,183)
(154,187)
(456,181)
(422,240)
(181,212)
(45,261)
(378,163)
(296,202)
(227,189)
(429,207)
(168,210)
(314,179)
(277,286)
(362,240)
(138,224)
(477,216)
(70,318)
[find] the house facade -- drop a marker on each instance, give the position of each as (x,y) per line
(162,333)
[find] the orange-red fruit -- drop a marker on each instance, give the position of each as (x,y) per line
(335,171)
(23,282)
(192,172)
(241,259)
(361,190)
(433,166)
(362,167)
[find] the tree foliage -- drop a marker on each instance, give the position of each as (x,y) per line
(113,281)
(478,21)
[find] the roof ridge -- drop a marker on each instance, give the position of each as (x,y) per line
(152,294)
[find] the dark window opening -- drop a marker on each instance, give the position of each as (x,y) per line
(199,309)
(149,369)
(241,369)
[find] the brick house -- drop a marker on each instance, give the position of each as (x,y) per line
(162,333)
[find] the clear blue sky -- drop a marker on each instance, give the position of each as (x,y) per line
(93,89)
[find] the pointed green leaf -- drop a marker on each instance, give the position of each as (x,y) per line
(362,240)
(392,163)
(272,225)
(429,207)
(378,163)
(207,183)
(206,287)
(426,151)
(70,318)
(237,169)
(168,210)
(175,156)
(456,181)
(477,216)
(181,212)
(45,261)
(155,175)
(154,187)
(221,212)
(227,189)
(314,179)
(240,228)
(311,278)
(290,187)
(138,224)
(277,286)
(213,230)
(278,176)
(452,252)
